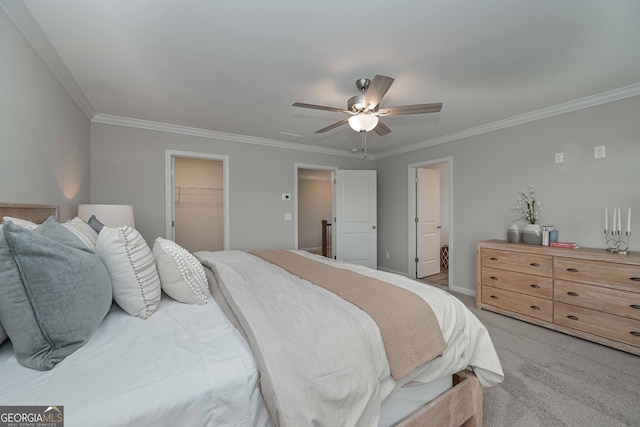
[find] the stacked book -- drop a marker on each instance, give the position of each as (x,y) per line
(567,245)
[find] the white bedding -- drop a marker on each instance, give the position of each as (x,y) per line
(312,389)
(184,366)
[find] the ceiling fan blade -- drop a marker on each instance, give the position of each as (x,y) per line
(319,107)
(333,126)
(381,128)
(411,109)
(377,89)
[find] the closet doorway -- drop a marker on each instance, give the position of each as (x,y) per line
(314,204)
(198,208)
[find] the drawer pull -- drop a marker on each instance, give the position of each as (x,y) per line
(535,286)
(573,294)
(534,264)
(636,306)
(635,279)
(573,270)
(572,317)
(535,307)
(635,333)
(493,278)
(494,297)
(493,258)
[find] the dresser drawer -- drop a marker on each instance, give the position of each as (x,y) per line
(613,275)
(621,303)
(529,284)
(595,322)
(528,305)
(540,265)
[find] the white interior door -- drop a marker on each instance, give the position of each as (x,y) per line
(428,222)
(356,217)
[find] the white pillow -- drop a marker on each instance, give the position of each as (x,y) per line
(82,231)
(181,274)
(130,263)
(21,222)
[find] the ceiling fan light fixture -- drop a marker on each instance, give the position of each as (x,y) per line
(363,122)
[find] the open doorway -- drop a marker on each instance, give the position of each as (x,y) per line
(430,221)
(314,209)
(197,200)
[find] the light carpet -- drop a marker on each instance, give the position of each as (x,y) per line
(553,379)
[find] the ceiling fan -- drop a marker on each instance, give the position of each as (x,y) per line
(364,109)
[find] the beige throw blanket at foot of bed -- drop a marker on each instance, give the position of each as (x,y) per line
(409,329)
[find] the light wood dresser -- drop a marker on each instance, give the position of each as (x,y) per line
(586,292)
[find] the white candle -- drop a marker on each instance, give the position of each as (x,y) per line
(613,229)
(606,219)
(629,221)
(619,220)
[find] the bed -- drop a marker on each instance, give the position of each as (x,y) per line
(202,364)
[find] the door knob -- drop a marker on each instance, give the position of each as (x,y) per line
(374,227)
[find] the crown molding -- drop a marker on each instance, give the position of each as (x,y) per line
(210,134)
(19,13)
(567,107)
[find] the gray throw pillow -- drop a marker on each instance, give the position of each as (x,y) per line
(55,293)
(95,224)
(3,334)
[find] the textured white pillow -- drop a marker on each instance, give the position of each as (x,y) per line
(130,263)
(82,231)
(181,274)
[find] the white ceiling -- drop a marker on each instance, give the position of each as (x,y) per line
(236,66)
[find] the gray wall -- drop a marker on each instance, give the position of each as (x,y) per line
(490,169)
(44,135)
(128,167)
(45,156)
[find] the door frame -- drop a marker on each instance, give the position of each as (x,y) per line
(333,170)
(411,225)
(169,155)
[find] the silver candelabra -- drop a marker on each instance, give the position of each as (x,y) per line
(617,242)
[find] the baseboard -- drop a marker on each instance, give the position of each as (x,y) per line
(460,290)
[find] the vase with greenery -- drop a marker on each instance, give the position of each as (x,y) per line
(527,209)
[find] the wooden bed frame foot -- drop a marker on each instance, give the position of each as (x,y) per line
(461,405)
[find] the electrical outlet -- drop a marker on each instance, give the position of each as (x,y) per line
(559,157)
(598,152)
(287,217)
(387,255)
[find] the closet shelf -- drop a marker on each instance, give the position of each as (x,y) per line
(198,197)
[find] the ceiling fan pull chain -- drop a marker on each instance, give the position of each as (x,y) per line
(364,143)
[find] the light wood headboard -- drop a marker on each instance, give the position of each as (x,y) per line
(33,213)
